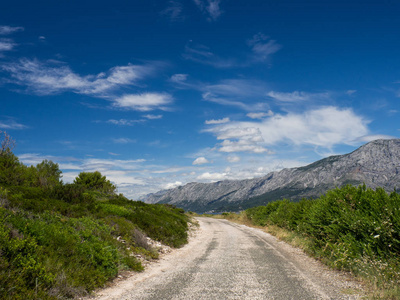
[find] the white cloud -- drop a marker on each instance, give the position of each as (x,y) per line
(46,78)
(6,45)
(373,137)
(322,127)
(237,88)
(123,178)
(233,102)
(202,54)
(220,121)
(297,96)
(124,122)
(261,50)
(11,124)
(212,176)
(172,185)
(241,146)
(210,7)
(179,78)
(233,159)
(350,92)
(124,141)
(174,11)
(144,102)
(168,170)
(201,161)
(249,133)
(5,30)
(260,115)
(153,117)
(325,127)
(93,164)
(262,46)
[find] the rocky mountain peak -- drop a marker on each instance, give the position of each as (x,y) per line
(377,164)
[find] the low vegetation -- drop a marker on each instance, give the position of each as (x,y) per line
(355,229)
(62,240)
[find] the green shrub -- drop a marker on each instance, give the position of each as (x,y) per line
(62,241)
(345,228)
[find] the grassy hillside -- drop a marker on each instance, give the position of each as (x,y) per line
(352,228)
(64,240)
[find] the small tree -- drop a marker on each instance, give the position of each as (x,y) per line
(11,170)
(48,174)
(95,181)
(7,143)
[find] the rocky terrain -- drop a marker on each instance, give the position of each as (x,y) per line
(377,164)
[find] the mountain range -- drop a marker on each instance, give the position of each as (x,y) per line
(375,164)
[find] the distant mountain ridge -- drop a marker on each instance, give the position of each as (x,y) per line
(377,164)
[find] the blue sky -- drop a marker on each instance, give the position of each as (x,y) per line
(156,94)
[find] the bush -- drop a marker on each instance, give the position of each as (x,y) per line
(62,241)
(95,181)
(345,228)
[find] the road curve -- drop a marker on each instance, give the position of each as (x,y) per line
(231,261)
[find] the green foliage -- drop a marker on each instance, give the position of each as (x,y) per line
(11,170)
(64,240)
(48,174)
(161,222)
(345,228)
(95,181)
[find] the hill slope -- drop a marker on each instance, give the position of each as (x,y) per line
(377,164)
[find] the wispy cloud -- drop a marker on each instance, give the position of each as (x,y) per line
(210,7)
(233,102)
(144,102)
(296,96)
(263,47)
(153,117)
(240,93)
(237,88)
(10,123)
(373,137)
(174,11)
(124,122)
(242,145)
(351,92)
(260,115)
(6,45)
(46,78)
(5,30)
(54,77)
(124,141)
(219,121)
(203,54)
(233,159)
(179,78)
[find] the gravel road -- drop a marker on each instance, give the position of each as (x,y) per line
(229,261)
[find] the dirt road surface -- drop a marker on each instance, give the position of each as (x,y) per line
(230,261)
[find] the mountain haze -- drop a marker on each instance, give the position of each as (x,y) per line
(377,164)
